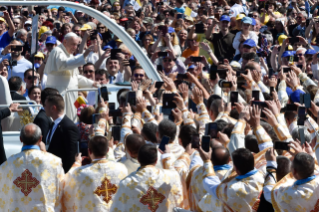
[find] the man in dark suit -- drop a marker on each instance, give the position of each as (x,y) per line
(16,88)
(3,114)
(63,136)
(42,120)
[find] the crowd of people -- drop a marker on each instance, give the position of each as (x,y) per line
(232,126)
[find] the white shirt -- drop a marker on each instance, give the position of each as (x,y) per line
(235,10)
(91,98)
(56,123)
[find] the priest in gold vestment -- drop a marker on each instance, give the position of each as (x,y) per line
(240,191)
(149,188)
(93,187)
(32,179)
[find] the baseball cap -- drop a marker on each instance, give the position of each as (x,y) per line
(170,30)
(28,22)
(287,54)
(253,22)
(249,42)
(2,19)
(107,47)
(310,52)
(148,20)
(85,27)
(37,65)
(119,40)
(79,11)
(39,54)
(240,16)
(246,20)
(192,66)
(189,18)
(123,19)
(295,96)
(225,18)
(235,64)
(50,39)
(42,30)
(54,9)
(281,39)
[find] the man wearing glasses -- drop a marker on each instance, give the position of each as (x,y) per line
(138,74)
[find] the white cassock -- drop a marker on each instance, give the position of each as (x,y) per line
(63,74)
(31,181)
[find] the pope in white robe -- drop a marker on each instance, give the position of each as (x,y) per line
(63,74)
(32,179)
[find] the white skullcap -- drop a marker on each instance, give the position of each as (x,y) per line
(301,49)
(71,35)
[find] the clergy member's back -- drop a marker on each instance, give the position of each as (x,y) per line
(149,188)
(92,187)
(31,180)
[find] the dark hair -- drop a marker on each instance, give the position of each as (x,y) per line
(214,106)
(88,64)
(99,146)
(137,67)
(186,133)
(283,167)
(57,100)
(221,124)
(243,160)
(147,154)
(15,83)
(290,115)
(76,25)
(160,17)
(251,143)
(228,129)
(220,156)
(211,99)
(32,88)
(149,131)
(101,72)
(86,115)
(304,164)
(249,56)
(133,143)
(234,114)
(168,128)
(26,71)
(46,92)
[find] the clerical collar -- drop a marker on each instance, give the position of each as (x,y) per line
(240,177)
(99,160)
(306,180)
(222,167)
(30,147)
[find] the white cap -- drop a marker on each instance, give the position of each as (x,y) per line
(79,11)
(28,22)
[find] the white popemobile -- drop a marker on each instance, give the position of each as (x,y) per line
(11,139)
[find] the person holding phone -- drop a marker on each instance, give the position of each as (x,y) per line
(168,41)
(6,36)
(23,64)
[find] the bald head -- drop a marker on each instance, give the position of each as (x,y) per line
(220,156)
(30,134)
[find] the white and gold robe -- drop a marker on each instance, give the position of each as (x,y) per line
(181,165)
(92,187)
(206,203)
(63,74)
(235,193)
(287,196)
(149,189)
(31,181)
